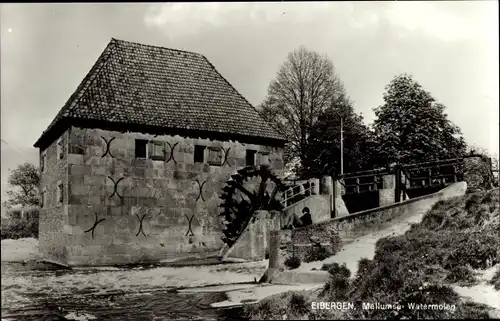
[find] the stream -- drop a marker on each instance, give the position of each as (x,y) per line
(142,294)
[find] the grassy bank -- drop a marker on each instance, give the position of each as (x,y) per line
(454,240)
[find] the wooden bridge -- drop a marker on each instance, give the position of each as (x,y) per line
(410,179)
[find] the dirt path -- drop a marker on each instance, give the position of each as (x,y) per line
(364,246)
(483,292)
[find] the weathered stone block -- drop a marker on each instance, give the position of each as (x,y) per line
(75,159)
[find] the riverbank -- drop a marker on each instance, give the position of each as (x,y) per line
(447,258)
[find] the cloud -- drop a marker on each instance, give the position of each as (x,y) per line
(190,18)
(437,20)
(432,18)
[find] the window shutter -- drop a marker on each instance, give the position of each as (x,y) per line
(215,156)
(264,158)
(157,150)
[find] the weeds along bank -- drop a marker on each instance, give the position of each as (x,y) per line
(20,227)
(410,275)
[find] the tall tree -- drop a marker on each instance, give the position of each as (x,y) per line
(304,87)
(324,152)
(23,182)
(411,127)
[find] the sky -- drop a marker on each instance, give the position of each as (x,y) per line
(450,48)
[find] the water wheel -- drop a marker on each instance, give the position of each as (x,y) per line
(248,191)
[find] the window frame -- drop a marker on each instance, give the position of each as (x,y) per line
(43,162)
(215,149)
(60,193)
(60,149)
(254,153)
(146,143)
(151,153)
(203,149)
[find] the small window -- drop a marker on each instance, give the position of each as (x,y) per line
(60,148)
(76,145)
(42,162)
(42,199)
(215,156)
(199,154)
(141,148)
(250,159)
(264,159)
(156,150)
(60,194)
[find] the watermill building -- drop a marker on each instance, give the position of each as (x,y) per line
(133,165)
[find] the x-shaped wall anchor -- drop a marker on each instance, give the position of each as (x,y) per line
(226,154)
(200,185)
(115,191)
(141,219)
(190,220)
(95,224)
(171,157)
(108,145)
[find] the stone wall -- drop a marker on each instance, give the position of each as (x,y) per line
(319,206)
(254,241)
(123,209)
(54,214)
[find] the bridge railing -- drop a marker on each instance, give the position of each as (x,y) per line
(417,175)
(298,191)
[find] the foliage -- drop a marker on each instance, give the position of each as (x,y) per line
(20,228)
(292,305)
(292,262)
(317,253)
(411,127)
(24,183)
(337,286)
(456,235)
(324,152)
(495,281)
(462,274)
(305,86)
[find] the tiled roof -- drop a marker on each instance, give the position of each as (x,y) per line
(147,85)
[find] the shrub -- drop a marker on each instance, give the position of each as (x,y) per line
(473,311)
(292,305)
(460,274)
(495,281)
(337,269)
(298,304)
(19,228)
(292,262)
(337,286)
(317,253)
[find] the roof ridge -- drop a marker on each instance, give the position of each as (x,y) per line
(115,40)
(143,84)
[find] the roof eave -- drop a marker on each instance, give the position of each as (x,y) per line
(62,124)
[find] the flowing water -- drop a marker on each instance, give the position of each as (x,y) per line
(121,294)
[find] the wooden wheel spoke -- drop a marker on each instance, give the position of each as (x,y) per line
(248,191)
(244,191)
